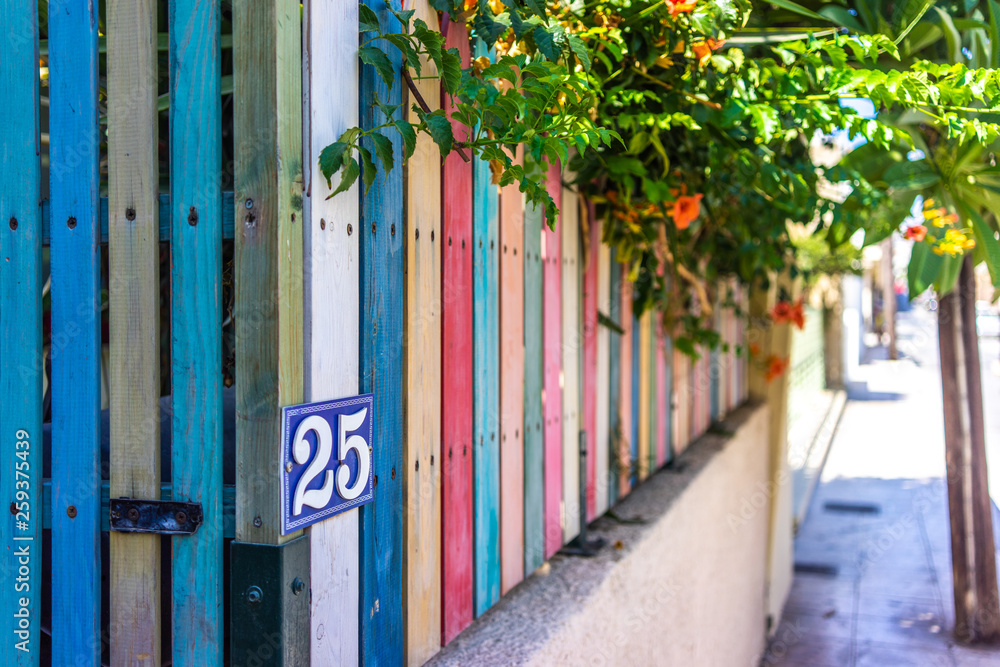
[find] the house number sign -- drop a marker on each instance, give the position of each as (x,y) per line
(326,459)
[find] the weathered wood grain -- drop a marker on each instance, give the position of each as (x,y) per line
(637,399)
(660,396)
(196,332)
(572,342)
(512,387)
(552,396)
(383,291)
(647,378)
(422,539)
(74,184)
(21,356)
(615,433)
(627,396)
(597,461)
(534,440)
(330,316)
(456,378)
(134,313)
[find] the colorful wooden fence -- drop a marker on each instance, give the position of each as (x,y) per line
(489,338)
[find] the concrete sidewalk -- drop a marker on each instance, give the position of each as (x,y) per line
(873,569)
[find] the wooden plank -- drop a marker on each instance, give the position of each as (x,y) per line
(486,381)
(596,450)
(637,399)
(647,378)
(667,399)
(134,313)
(534,441)
(659,400)
(422,539)
(682,405)
(602,422)
(195,332)
(552,286)
(627,393)
(383,290)
(512,387)
(569,230)
(75,265)
(21,356)
(330,312)
(456,376)
(615,432)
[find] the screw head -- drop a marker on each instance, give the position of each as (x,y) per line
(298,586)
(254,595)
(257,522)
(181,517)
(248,203)
(13,223)
(71,512)
(132,514)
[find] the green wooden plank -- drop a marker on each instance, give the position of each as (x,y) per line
(534,445)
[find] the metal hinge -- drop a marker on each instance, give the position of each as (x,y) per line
(166,517)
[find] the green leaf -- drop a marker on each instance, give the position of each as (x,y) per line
(347,177)
(440,131)
(369,171)
(548,41)
(985,241)
(606,321)
(994,31)
(579,48)
(915,175)
(408,135)
(451,75)
(331,159)
(374,56)
(922,270)
(383,150)
(948,277)
(367,19)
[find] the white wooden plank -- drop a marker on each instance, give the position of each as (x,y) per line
(572,344)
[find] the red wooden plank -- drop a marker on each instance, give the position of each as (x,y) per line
(590,353)
(625,395)
(552,394)
(456,377)
(511,387)
(661,395)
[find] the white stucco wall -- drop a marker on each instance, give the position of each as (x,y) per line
(686,587)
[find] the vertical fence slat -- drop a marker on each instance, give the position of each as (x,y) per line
(512,387)
(626,397)
(486,400)
(552,286)
(569,230)
(646,392)
(383,290)
(591,334)
(422,539)
(602,427)
(637,397)
(456,378)
(534,439)
(615,381)
(667,399)
(652,413)
(330,312)
(21,322)
(196,314)
(133,240)
(660,401)
(74,184)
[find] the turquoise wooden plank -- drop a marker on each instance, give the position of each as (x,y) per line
(21,344)
(228,214)
(196,314)
(534,442)
(486,380)
(383,290)
(614,393)
(75,261)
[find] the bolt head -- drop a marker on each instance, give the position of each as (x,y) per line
(254,595)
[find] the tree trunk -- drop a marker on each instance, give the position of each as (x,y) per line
(977,609)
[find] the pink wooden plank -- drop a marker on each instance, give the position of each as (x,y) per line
(626,398)
(511,387)
(552,393)
(590,261)
(661,395)
(456,377)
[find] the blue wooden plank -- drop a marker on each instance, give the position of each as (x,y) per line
(383,290)
(634,436)
(74,181)
(228,215)
(614,394)
(21,342)
(196,314)
(486,382)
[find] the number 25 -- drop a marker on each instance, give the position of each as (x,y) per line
(324,449)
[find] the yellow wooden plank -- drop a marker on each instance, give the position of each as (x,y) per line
(134,304)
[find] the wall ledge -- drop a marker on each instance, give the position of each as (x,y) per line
(610,608)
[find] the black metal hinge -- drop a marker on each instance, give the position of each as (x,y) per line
(166,517)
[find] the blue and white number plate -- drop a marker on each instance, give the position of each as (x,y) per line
(326,460)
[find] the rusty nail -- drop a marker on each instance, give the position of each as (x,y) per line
(132,514)
(13,223)
(373,228)
(392,230)
(71,512)
(322,223)
(192,216)
(257,522)
(394,472)
(130,213)
(13,507)
(416,233)
(181,517)
(350,229)
(432,236)
(71,222)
